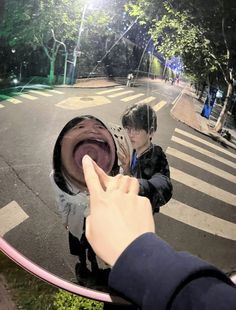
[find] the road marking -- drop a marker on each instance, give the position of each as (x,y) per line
(55,91)
(121,94)
(216,147)
(11,215)
(129,98)
(10,99)
(147,100)
(76,103)
(201,164)
(202,186)
(160,105)
(2,106)
(28,96)
(203,151)
(199,219)
(42,93)
(109,91)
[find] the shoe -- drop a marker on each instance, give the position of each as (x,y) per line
(81,271)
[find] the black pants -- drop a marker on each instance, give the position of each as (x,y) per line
(81,248)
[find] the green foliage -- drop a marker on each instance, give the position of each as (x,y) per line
(156,67)
(68,301)
(201,32)
(29,293)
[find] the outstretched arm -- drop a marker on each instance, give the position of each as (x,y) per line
(146,270)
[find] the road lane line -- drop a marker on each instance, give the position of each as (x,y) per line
(160,105)
(199,219)
(201,164)
(202,186)
(129,98)
(216,147)
(120,94)
(41,93)
(147,100)
(11,215)
(109,91)
(55,91)
(203,151)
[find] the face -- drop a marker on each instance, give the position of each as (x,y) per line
(139,138)
(87,137)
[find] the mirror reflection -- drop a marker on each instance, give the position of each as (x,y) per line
(82,135)
(73,75)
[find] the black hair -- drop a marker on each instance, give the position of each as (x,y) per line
(57,164)
(140,116)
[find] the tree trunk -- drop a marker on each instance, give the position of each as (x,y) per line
(223,114)
(51,74)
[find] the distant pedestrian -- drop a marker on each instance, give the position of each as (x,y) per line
(130,79)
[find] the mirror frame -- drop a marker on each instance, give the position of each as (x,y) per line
(56,281)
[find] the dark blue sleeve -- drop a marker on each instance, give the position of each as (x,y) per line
(154,276)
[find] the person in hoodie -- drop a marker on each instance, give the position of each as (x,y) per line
(148,162)
(81,135)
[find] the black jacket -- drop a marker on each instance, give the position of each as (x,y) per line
(155,277)
(152,171)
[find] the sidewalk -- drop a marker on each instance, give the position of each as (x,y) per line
(187,110)
(92,83)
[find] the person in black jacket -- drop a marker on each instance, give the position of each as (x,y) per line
(145,269)
(148,162)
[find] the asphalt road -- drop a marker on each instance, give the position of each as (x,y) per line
(201,213)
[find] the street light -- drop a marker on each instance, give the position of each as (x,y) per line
(66,55)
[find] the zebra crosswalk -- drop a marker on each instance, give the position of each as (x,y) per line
(123,94)
(31,95)
(129,96)
(214,161)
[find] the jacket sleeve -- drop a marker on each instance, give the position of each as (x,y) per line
(158,188)
(154,276)
(63,205)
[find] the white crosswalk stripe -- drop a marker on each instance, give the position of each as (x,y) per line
(11,215)
(159,106)
(10,99)
(55,91)
(199,219)
(191,215)
(129,98)
(103,92)
(203,151)
(203,186)
(147,100)
(120,94)
(41,93)
(215,147)
(28,96)
(201,164)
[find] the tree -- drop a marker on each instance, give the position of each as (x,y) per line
(31,23)
(201,32)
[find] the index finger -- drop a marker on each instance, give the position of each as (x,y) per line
(91,177)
